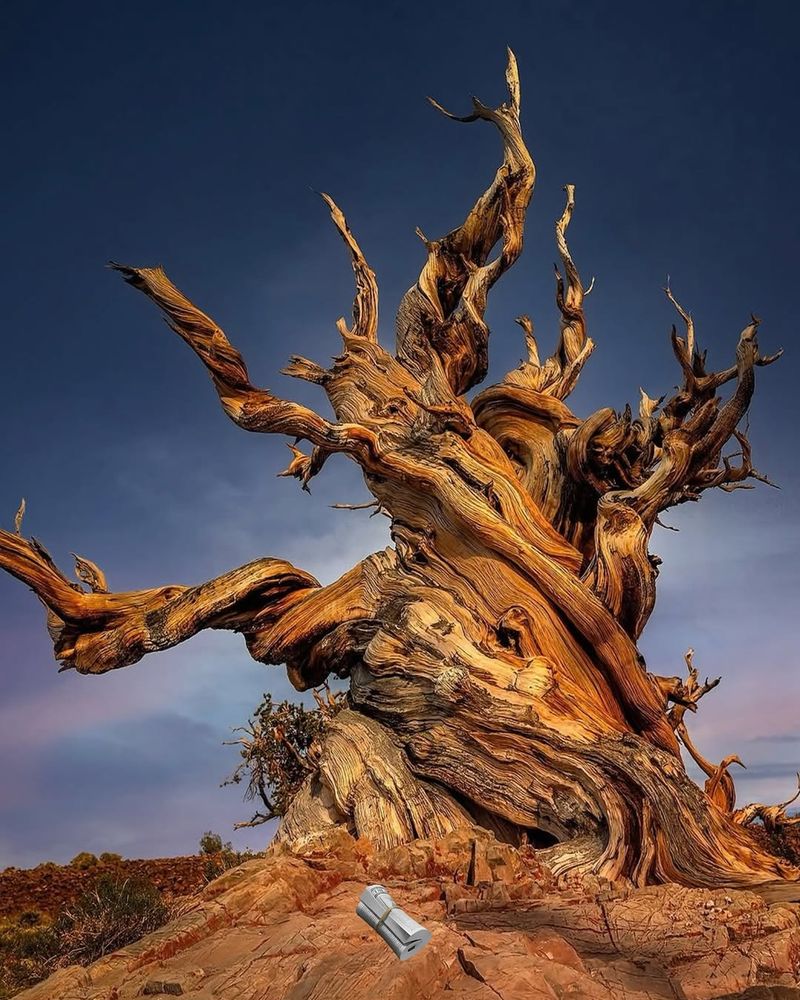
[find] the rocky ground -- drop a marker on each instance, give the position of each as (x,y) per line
(48,888)
(283,927)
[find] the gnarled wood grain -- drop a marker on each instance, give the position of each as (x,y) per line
(491,651)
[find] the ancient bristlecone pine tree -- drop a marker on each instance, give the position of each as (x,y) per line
(491,652)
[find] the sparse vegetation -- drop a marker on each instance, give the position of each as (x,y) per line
(279,748)
(111,914)
(28,952)
(217,864)
(784,841)
(211,843)
(221,856)
(84,860)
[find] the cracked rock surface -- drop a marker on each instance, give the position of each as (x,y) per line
(284,928)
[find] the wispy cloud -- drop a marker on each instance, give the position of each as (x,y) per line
(776,738)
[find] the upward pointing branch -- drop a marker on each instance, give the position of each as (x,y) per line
(365,306)
(559,374)
(444,311)
(687,319)
(574,346)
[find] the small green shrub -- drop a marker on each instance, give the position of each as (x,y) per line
(113,913)
(225,860)
(28,953)
(212,869)
(83,861)
(211,843)
(110,856)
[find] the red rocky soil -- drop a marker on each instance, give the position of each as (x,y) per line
(48,888)
(284,927)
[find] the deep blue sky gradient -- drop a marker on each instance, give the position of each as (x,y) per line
(190,135)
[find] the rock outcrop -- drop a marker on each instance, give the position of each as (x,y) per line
(284,927)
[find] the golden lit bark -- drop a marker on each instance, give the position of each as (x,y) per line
(491,651)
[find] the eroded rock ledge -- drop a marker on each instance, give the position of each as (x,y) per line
(284,928)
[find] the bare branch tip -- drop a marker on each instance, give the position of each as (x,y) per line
(354,506)
(512,79)
(129,274)
(456,118)
(418,232)
(19,516)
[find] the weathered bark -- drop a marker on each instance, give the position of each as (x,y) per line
(494,673)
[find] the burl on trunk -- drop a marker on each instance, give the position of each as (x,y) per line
(494,672)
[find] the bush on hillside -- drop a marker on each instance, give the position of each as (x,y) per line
(83,861)
(28,953)
(113,913)
(211,843)
(225,860)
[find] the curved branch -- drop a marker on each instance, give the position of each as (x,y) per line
(100,631)
(443,312)
(365,306)
(572,346)
(719,786)
(689,352)
(656,462)
(773,817)
(559,374)
(686,694)
(525,414)
(250,408)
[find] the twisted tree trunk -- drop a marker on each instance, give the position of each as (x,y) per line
(494,672)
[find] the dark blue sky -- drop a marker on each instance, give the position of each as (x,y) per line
(189,135)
